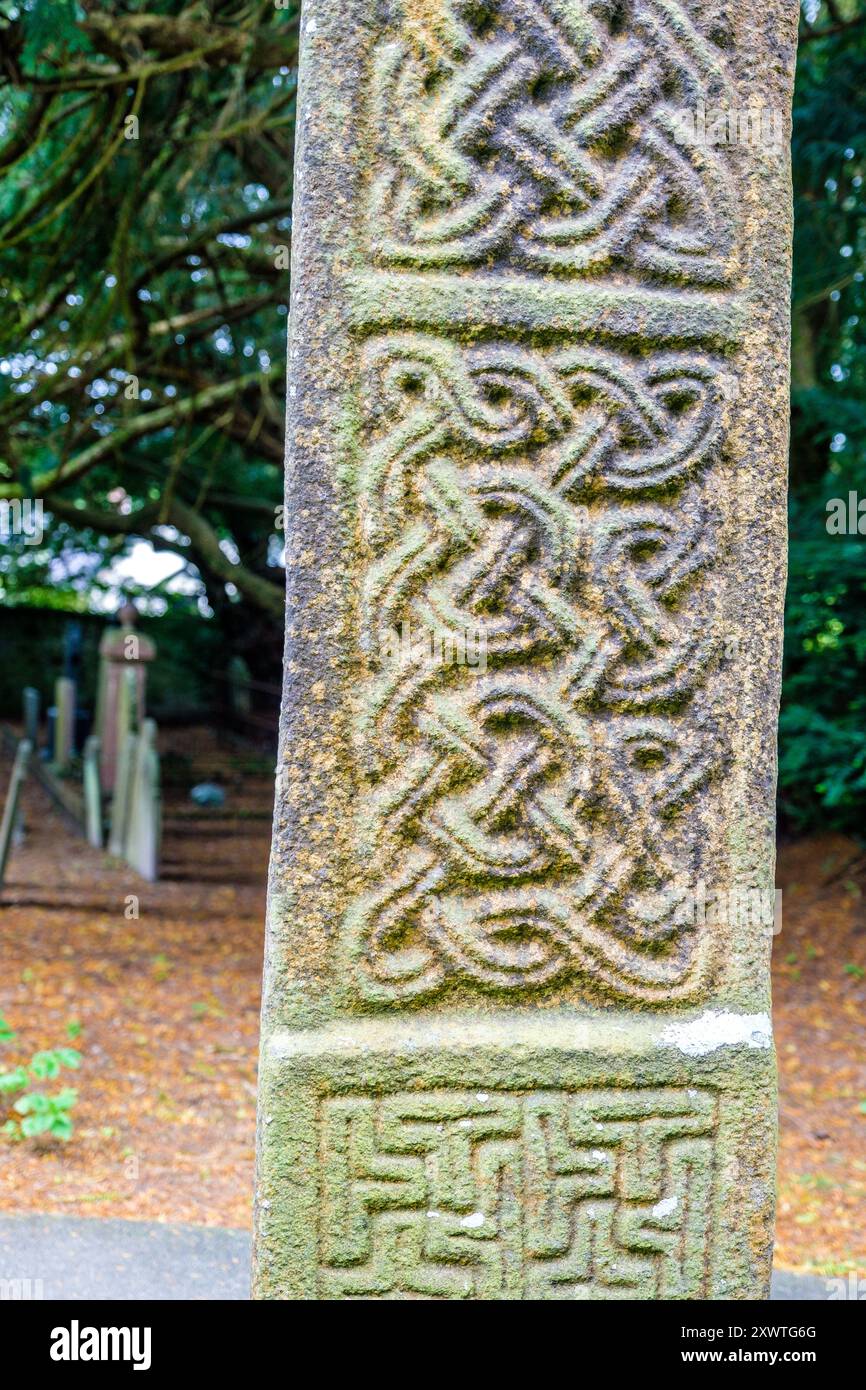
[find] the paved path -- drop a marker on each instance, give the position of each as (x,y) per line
(93,1259)
(84,1259)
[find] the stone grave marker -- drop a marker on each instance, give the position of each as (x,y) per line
(120,801)
(144,821)
(30,705)
(64,724)
(240,695)
(124,656)
(11,807)
(93,792)
(538,367)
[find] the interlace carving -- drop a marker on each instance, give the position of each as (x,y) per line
(542,134)
(540,816)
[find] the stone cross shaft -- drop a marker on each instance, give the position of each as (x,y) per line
(516,1039)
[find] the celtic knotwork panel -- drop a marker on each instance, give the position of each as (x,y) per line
(594,1193)
(542,135)
(527,816)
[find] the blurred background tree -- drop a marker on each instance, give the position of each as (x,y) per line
(145,191)
(145,198)
(822,775)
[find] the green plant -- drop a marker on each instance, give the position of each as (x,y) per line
(33,1112)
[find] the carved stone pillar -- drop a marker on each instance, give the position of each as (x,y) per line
(516,1028)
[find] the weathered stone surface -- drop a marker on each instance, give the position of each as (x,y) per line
(121,800)
(30,703)
(11,805)
(92,792)
(124,655)
(537,398)
(64,727)
(536,1154)
(144,822)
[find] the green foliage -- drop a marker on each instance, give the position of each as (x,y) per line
(51,27)
(822,765)
(34,1113)
(144,299)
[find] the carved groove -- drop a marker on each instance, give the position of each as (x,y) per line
(534,136)
(554,1194)
(541,818)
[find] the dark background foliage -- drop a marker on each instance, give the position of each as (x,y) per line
(162,258)
(822,775)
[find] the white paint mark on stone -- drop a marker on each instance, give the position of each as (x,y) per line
(666,1206)
(474,1221)
(482,1096)
(718,1028)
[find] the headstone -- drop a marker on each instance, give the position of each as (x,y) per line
(120,801)
(30,702)
(144,823)
(64,725)
(93,792)
(124,655)
(73,650)
(239,687)
(516,1034)
(13,797)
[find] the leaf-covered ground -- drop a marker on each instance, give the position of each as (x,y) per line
(168,1003)
(819,1011)
(169,1008)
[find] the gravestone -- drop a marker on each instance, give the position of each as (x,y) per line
(240,694)
(93,792)
(124,655)
(30,703)
(142,846)
(64,723)
(11,807)
(538,367)
(120,801)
